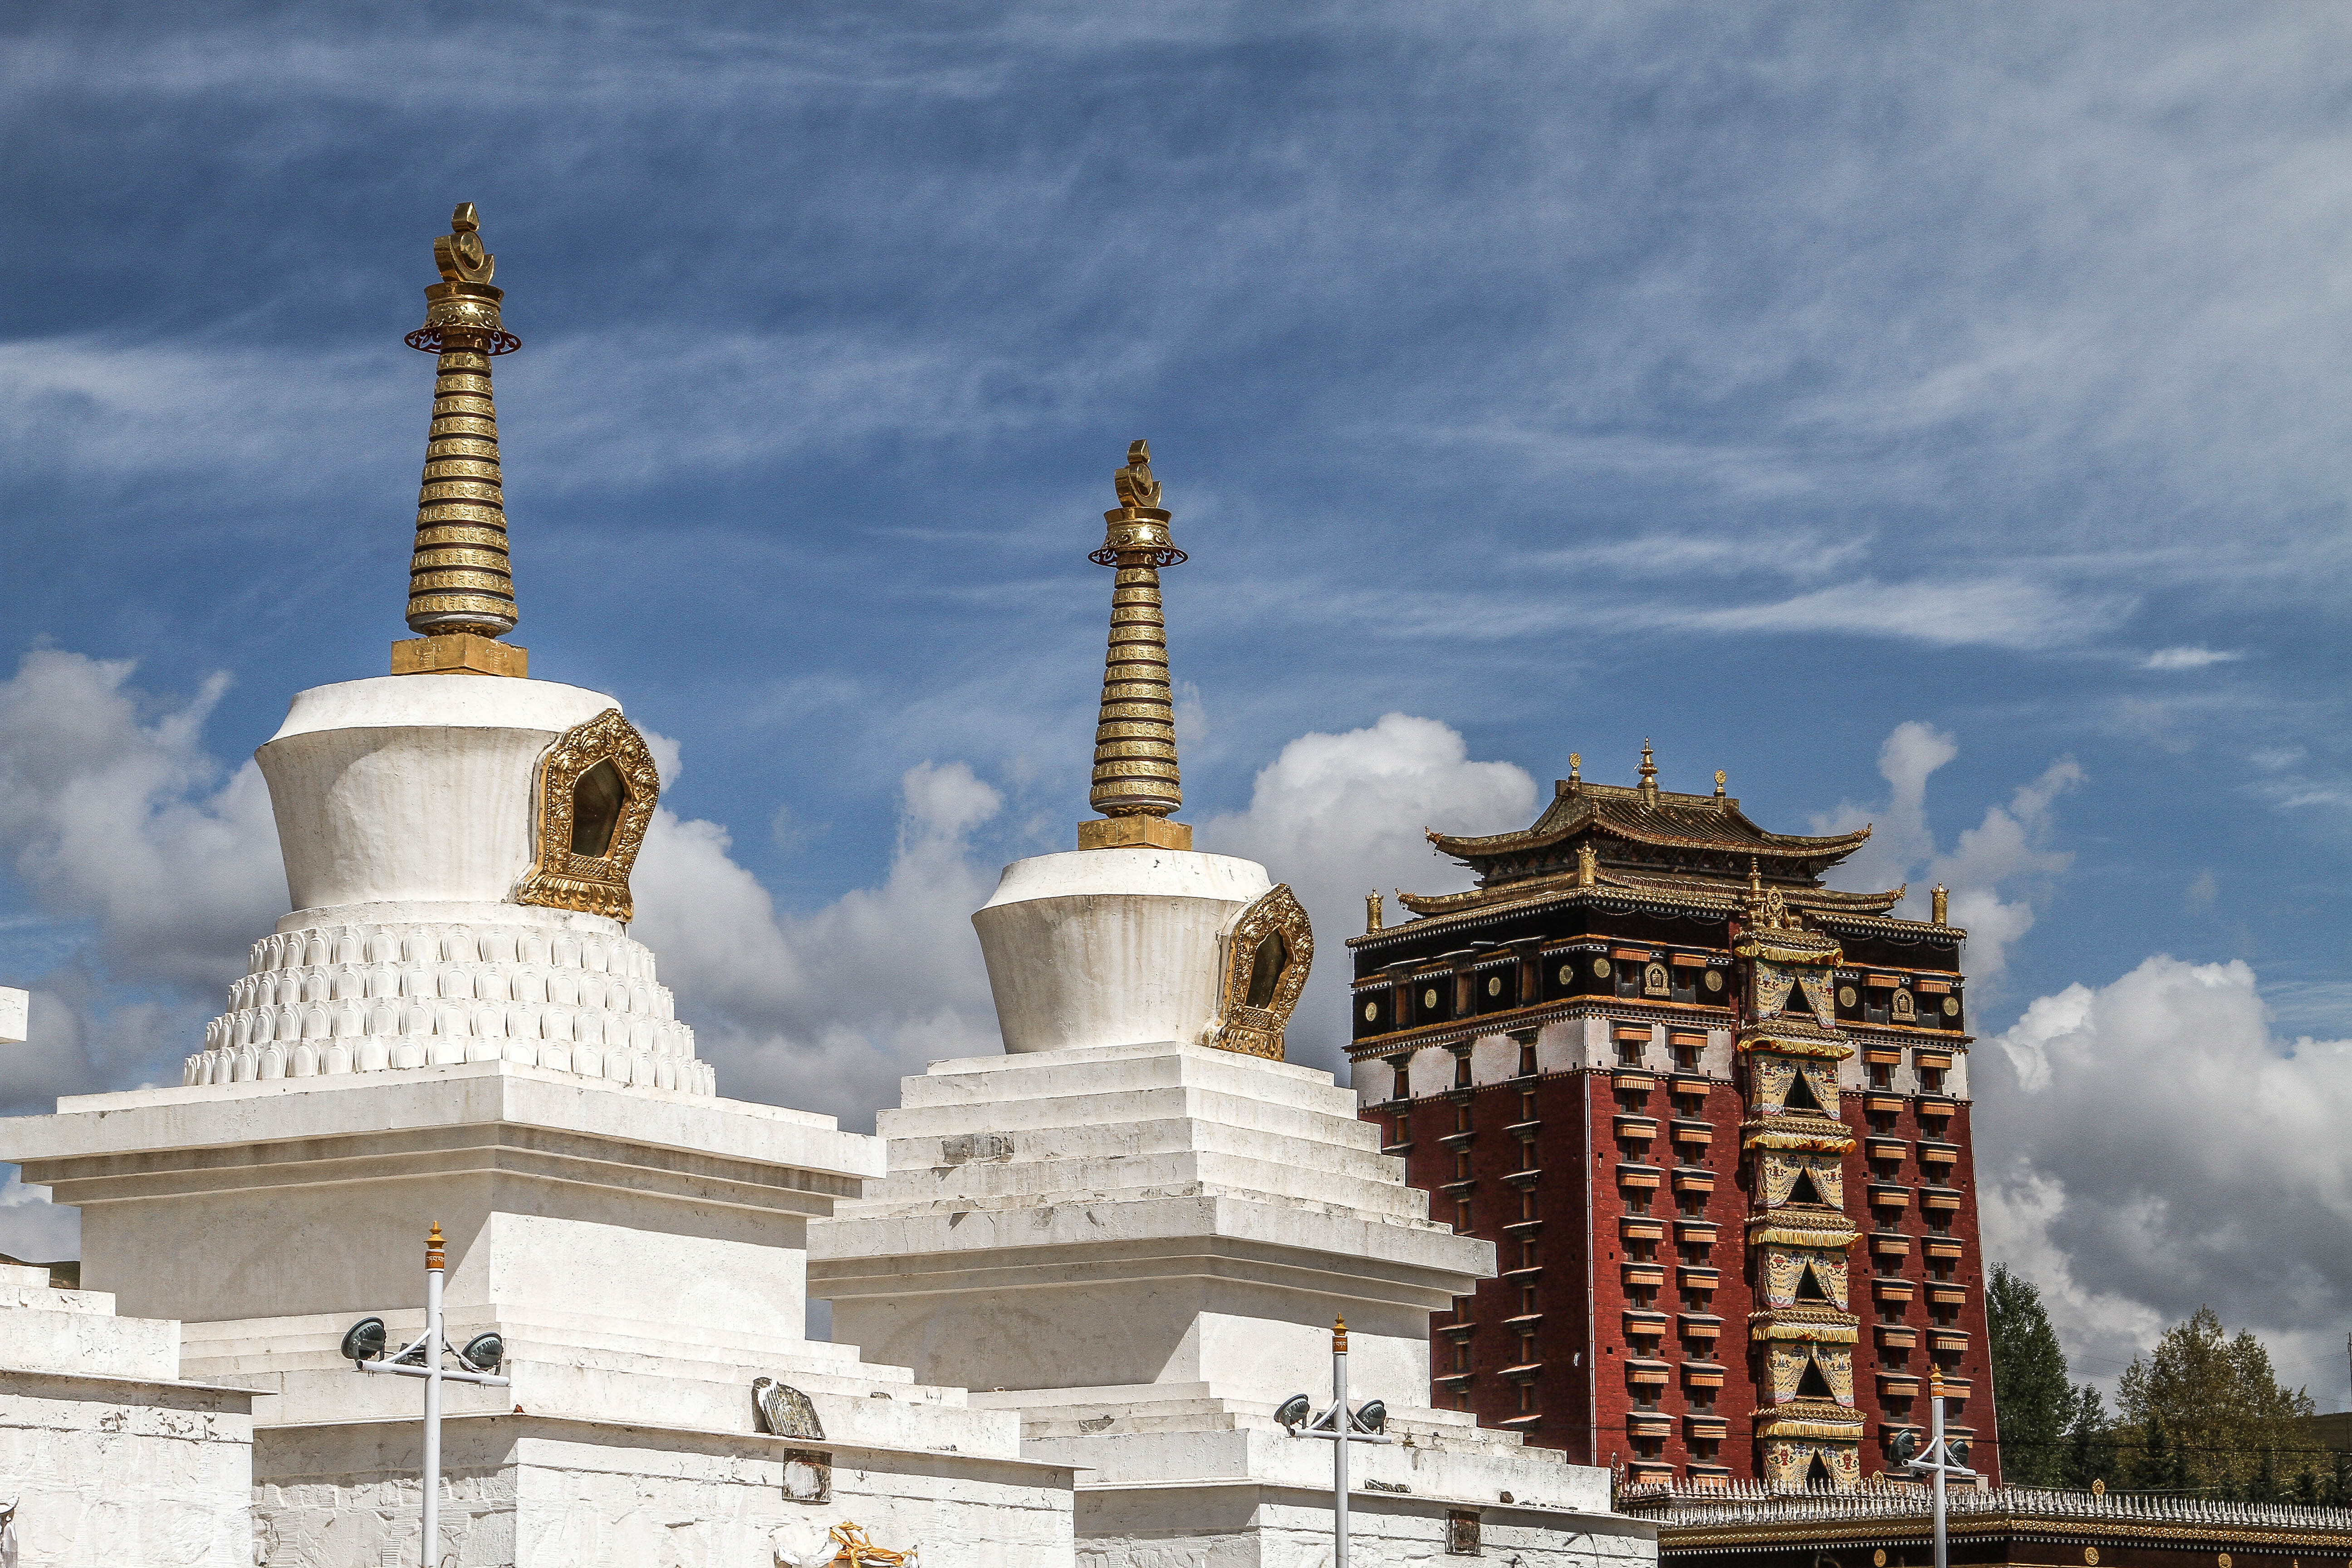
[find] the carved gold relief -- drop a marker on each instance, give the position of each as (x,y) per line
(596,786)
(1269,950)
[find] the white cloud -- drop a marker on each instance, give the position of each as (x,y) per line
(2188,658)
(2149,1146)
(112,812)
(32,1227)
(1338,815)
(1995,871)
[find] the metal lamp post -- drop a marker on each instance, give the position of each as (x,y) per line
(364,1346)
(1339,1426)
(1941,1461)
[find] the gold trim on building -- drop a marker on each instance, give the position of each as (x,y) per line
(563,877)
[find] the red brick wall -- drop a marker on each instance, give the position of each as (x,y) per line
(1580,1395)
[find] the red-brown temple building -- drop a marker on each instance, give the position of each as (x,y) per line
(1715,1118)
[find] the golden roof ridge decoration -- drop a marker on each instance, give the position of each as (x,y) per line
(1634,813)
(461,594)
(1137,785)
(1711,895)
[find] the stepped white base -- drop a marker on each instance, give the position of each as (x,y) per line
(109,1455)
(642,1254)
(1141,1249)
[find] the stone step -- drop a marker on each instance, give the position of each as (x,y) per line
(1123,1107)
(970,1186)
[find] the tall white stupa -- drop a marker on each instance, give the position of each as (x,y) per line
(453,1025)
(1137,1226)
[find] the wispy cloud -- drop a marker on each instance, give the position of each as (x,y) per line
(2188,657)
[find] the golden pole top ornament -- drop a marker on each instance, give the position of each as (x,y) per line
(1339,1336)
(1137,785)
(460,579)
(433,1254)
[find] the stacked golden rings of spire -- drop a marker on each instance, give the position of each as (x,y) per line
(460,578)
(1135,733)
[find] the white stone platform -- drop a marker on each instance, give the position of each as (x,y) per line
(111,1456)
(639,1250)
(1142,1249)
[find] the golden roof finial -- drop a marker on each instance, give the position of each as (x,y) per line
(1649,771)
(1575,762)
(460,580)
(1720,782)
(1941,900)
(1137,784)
(1372,911)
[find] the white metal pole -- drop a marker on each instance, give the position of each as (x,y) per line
(1339,1448)
(434,1266)
(1936,1450)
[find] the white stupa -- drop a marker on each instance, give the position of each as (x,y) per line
(453,1025)
(1137,1226)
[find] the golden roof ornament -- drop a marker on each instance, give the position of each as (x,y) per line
(1941,898)
(1136,784)
(1720,782)
(1649,771)
(1372,911)
(460,580)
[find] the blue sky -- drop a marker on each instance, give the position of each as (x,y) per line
(1932,416)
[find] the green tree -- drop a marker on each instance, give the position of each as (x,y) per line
(2090,1445)
(2152,1471)
(2032,1402)
(2215,1400)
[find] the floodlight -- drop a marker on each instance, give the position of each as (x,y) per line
(1373,1415)
(1906,1446)
(364,1340)
(1957,1450)
(484,1351)
(1294,1412)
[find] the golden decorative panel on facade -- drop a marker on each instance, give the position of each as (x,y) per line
(596,788)
(1267,953)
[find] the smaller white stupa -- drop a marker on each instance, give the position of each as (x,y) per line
(453,1025)
(1137,1227)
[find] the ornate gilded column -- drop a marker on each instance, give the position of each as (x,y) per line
(1804,1332)
(460,585)
(1136,782)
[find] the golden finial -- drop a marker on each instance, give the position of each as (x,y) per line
(1338,1336)
(1575,761)
(460,579)
(1136,782)
(1934,1382)
(1588,866)
(1942,901)
(1648,770)
(1718,784)
(1372,911)
(433,1255)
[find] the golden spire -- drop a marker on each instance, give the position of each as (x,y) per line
(460,588)
(1649,770)
(1136,783)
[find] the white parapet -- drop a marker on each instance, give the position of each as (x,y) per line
(1110,947)
(106,1454)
